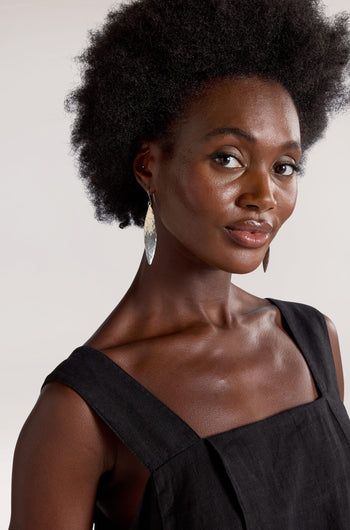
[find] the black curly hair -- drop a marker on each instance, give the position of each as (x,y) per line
(151,56)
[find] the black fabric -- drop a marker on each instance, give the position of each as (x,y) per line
(290,471)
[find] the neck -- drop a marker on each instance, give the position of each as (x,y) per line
(180,288)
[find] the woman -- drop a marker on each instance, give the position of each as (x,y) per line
(217,408)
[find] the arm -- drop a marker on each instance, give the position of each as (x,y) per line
(333,337)
(61,453)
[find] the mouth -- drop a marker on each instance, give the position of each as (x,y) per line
(250,233)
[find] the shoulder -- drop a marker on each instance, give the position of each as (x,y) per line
(323,325)
(65,424)
(58,403)
(61,453)
(333,339)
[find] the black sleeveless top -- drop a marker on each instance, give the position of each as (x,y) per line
(290,471)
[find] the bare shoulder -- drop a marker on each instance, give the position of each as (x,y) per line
(62,411)
(333,338)
(62,451)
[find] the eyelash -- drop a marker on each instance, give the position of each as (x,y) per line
(221,155)
(295,168)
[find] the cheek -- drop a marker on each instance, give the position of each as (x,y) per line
(206,193)
(205,196)
(189,192)
(287,201)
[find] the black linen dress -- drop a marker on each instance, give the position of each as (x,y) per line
(290,471)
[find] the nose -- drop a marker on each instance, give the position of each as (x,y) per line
(258,191)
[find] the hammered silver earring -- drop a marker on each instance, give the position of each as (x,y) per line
(266,259)
(150,232)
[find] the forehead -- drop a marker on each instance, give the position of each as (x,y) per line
(261,107)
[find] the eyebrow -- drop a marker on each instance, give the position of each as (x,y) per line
(236,131)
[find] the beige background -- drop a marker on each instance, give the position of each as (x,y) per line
(61,271)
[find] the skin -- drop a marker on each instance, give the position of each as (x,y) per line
(197,342)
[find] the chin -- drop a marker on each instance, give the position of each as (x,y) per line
(242,263)
(238,268)
(243,269)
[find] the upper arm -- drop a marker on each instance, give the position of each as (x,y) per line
(59,459)
(333,337)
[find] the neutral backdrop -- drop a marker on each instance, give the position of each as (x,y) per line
(62,272)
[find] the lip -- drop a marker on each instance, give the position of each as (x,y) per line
(250,233)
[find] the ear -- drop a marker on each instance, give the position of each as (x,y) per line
(144,167)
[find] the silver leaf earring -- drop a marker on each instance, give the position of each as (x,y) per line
(150,232)
(266,259)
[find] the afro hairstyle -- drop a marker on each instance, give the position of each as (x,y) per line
(151,56)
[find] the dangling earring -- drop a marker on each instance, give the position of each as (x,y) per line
(150,232)
(266,259)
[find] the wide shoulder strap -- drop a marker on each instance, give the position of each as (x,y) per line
(307,327)
(142,422)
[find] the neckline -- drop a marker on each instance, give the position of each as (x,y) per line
(268,419)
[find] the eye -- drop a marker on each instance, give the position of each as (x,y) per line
(286,169)
(227,160)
